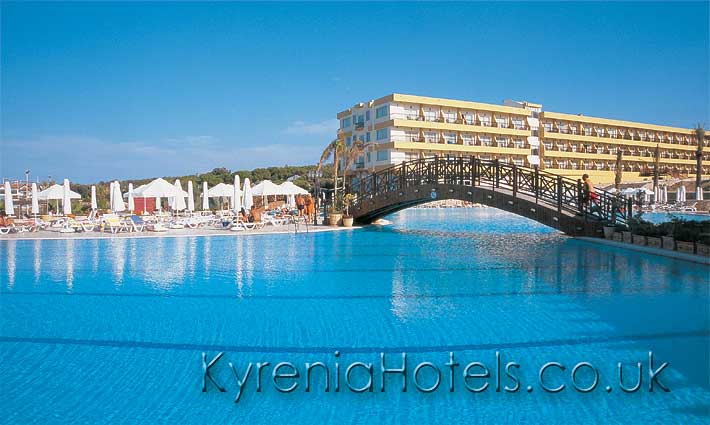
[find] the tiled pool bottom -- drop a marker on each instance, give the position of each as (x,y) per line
(112,331)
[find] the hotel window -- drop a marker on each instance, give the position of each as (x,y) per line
(587,131)
(485,120)
(468,118)
(485,140)
(519,143)
(450,116)
(347,141)
(467,139)
(382,134)
(548,145)
(346,122)
(382,155)
(369,158)
(411,136)
(518,161)
(548,163)
(367,136)
(502,142)
(518,123)
(367,115)
(360,119)
(382,111)
(430,115)
(574,148)
(547,126)
(362,138)
(431,137)
(502,121)
(450,138)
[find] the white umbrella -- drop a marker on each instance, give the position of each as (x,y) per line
(118,205)
(205,197)
(9,206)
(665,194)
(110,195)
(66,199)
(131,202)
(94,206)
(178,201)
(248,196)
(158,188)
(56,192)
(190,197)
(268,188)
(236,196)
(289,188)
(35,201)
(221,190)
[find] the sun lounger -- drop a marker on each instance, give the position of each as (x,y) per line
(81,225)
(113,224)
(135,223)
(251,225)
(4,230)
(157,227)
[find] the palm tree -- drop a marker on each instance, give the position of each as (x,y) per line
(356,150)
(618,169)
(700,138)
(335,148)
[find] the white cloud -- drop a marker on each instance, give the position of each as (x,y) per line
(304,128)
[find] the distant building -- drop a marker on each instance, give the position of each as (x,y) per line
(403,127)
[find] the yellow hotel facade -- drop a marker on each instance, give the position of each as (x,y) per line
(401,127)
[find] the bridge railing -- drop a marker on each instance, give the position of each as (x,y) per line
(556,191)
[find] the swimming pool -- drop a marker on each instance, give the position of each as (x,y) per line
(112,331)
(660,217)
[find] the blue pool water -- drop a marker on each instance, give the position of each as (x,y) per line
(112,331)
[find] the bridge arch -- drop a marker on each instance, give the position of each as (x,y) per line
(547,198)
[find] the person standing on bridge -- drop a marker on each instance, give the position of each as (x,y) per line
(590,195)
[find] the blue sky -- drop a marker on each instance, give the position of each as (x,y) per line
(98,91)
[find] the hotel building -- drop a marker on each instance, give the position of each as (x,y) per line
(401,127)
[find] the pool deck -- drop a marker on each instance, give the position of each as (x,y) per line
(172,233)
(650,250)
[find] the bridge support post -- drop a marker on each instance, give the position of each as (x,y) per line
(402,175)
(515,181)
(559,194)
(473,171)
(536,184)
(629,209)
(496,181)
(461,173)
(436,169)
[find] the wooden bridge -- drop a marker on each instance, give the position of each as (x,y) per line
(547,198)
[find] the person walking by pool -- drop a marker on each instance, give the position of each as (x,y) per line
(300,204)
(309,206)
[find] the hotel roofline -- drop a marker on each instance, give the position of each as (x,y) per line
(463,104)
